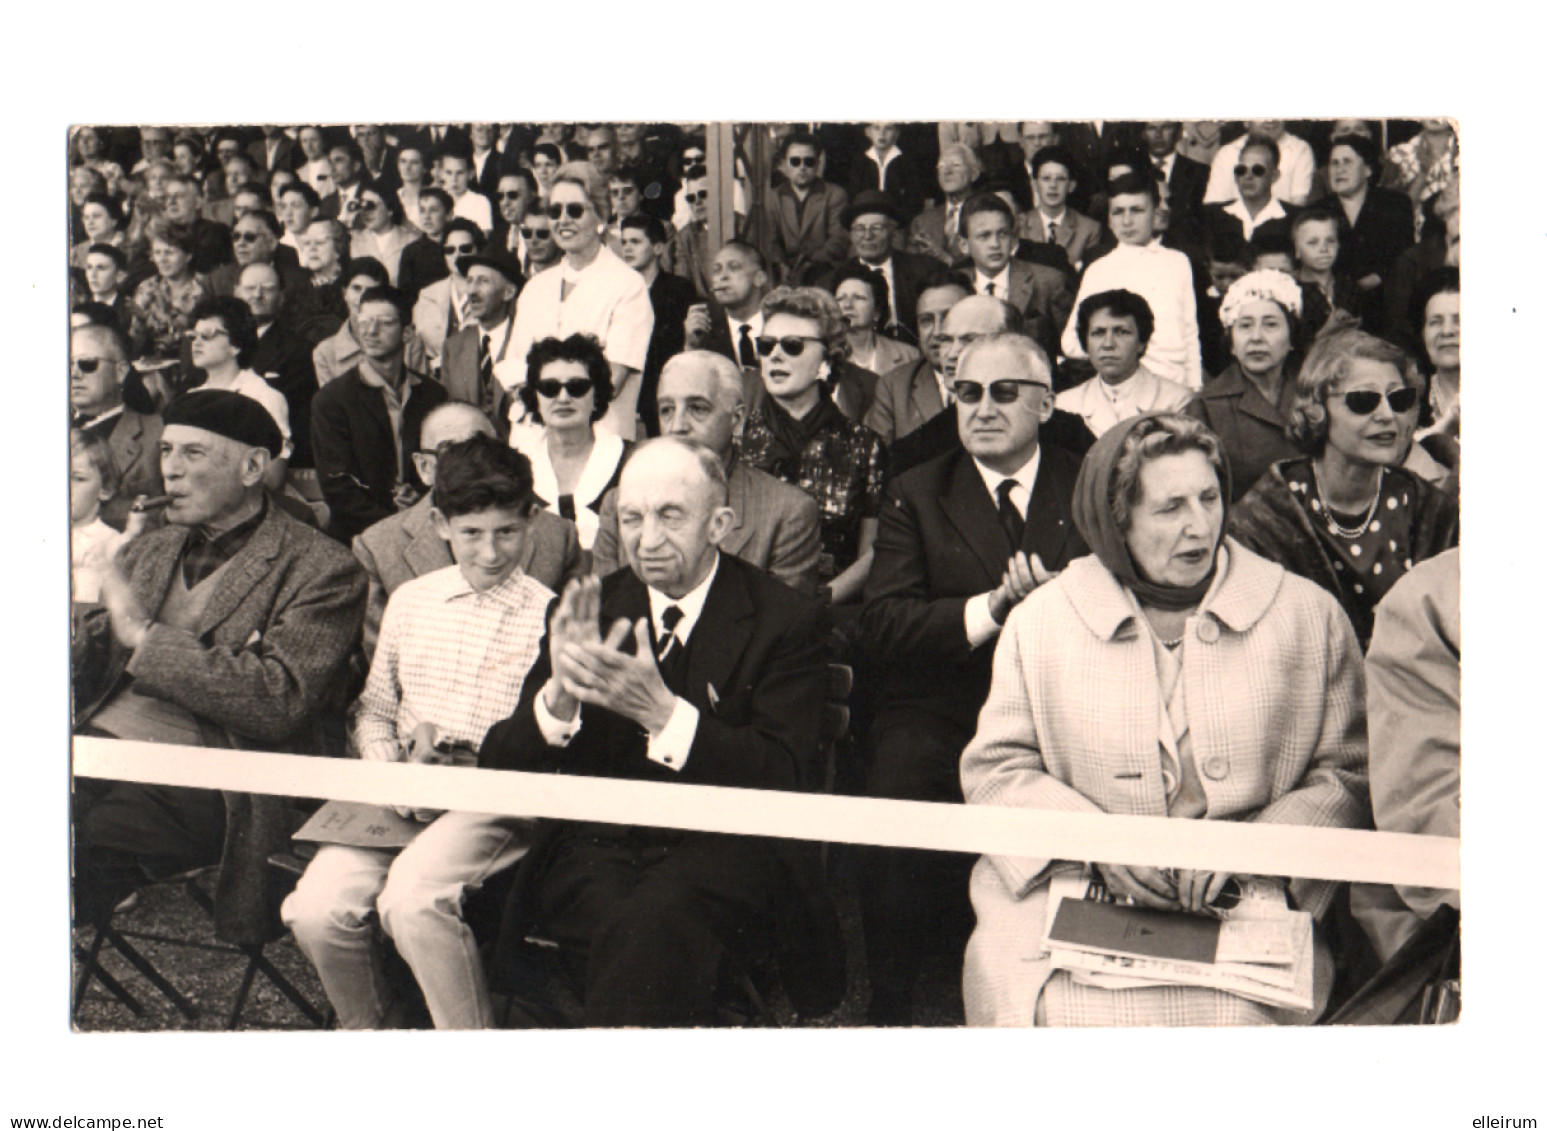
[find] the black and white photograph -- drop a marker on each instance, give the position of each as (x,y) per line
(771,589)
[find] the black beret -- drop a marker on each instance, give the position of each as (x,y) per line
(226,414)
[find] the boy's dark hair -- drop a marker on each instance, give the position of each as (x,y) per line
(479,473)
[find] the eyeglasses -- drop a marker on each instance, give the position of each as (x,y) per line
(506,194)
(1254,170)
(1002,392)
(536,233)
(89,365)
(801,162)
(792,346)
(207,336)
(246,237)
(695,197)
(1362,402)
(573,211)
(576,387)
(871,229)
(460,248)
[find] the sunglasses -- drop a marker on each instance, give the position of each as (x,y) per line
(1254,170)
(573,211)
(1002,392)
(1362,402)
(576,387)
(507,195)
(801,162)
(246,237)
(89,365)
(792,346)
(695,197)
(536,233)
(460,249)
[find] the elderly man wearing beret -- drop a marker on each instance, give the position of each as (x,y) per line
(230,626)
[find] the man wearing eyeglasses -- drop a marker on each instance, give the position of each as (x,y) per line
(99,362)
(514,191)
(406,545)
(366,424)
(341,353)
(691,256)
(1255,208)
(805,214)
(255,240)
(477,354)
(536,231)
(441,309)
(963,538)
(873,218)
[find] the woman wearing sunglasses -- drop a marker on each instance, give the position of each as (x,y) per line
(798,433)
(591,292)
(379,230)
(1346,514)
(568,385)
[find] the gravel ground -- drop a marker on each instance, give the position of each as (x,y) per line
(210,978)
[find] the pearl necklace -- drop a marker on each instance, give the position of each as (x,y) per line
(1369,516)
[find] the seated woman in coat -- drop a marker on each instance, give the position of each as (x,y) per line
(1346,514)
(1231,690)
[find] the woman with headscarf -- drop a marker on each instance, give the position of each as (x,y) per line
(1230,690)
(1345,513)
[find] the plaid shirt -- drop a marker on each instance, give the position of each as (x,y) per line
(451,656)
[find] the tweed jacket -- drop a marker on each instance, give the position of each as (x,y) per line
(405,546)
(778,528)
(1042,295)
(265,670)
(135,442)
(927,236)
(1249,428)
(906,397)
(691,256)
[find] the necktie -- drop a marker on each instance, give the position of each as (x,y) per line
(746,349)
(1052,231)
(991,290)
(485,372)
(670,652)
(1009,514)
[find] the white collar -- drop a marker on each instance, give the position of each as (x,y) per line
(1049,218)
(1000,280)
(755,322)
(691,604)
(1025,475)
(574,275)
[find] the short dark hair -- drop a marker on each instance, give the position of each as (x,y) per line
(653,229)
(581,348)
(1120,304)
(799,137)
(306,192)
(478,473)
(392,296)
(508,168)
(880,293)
(1316,213)
(1140,182)
(1365,147)
(367,265)
(463,224)
(1268,243)
(1135,157)
(1440,281)
(537,206)
(108,203)
(1054,155)
(434,192)
(1261,141)
(267,218)
(350,146)
(983,202)
(98,314)
(236,316)
(120,260)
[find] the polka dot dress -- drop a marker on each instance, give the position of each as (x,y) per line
(1368,564)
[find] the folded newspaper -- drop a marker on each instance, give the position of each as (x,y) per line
(1260,949)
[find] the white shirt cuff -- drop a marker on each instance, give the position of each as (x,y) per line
(981,625)
(555,732)
(671,747)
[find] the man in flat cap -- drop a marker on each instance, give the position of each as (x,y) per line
(474,352)
(230,626)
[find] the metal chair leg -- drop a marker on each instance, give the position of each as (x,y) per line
(91,967)
(150,973)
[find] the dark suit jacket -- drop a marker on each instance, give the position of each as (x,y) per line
(353,447)
(284,155)
(284,360)
(759,645)
(1383,232)
(405,546)
(940,542)
(670,297)
(910,274)
(264,670)
(1189,180)
(211,245)
(939,435)
(421,264)
(1217,221)
(1250,430)
(1043,296)
(1078,234)
(806,237)
(905,182)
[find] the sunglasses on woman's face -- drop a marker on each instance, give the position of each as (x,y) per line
(460,249)
(1002,392)
(536,233)
(573,211)
(1362,402)
(576,387)
(1254,170)
(792,346)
